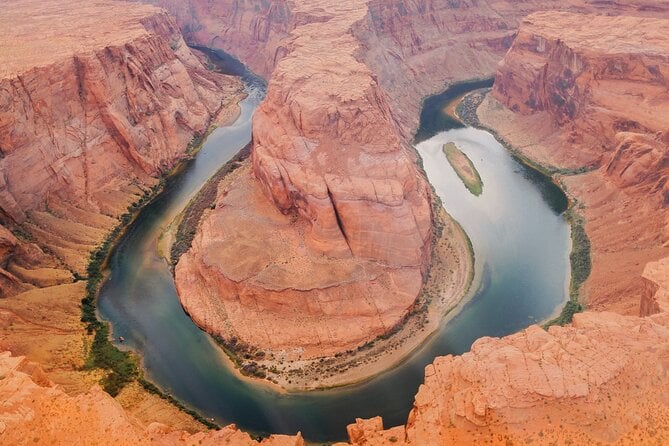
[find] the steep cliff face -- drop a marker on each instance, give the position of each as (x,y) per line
(96,101)
(572,96)
(593,86)
(89,120)
(254,30)
(338,188)
(417,47)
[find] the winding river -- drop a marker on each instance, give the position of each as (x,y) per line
(521,243)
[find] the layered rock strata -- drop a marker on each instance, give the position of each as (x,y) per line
(415,48)
(336,187)
(96,102)
(342,98)
(578,99)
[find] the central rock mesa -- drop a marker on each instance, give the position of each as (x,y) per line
(325,242)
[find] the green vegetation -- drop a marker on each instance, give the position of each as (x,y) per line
(152,388)
(464,167)
(121,367)
(580,253)
(580,268)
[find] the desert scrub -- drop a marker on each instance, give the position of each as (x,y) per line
(581,265)
(120,366)
(464,167)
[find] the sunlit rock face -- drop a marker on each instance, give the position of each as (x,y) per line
(338,188)
(586,92)
(94,106)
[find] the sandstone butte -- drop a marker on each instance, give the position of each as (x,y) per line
(602,379)
(333,227)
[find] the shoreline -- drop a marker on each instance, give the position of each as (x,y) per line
(449,284)
(467,112)
(125,365)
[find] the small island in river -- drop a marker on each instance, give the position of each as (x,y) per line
(464,167)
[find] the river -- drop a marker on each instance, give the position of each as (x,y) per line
(521,243)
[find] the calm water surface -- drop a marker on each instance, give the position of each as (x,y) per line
(521,243)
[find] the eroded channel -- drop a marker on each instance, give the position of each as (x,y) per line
(521,243)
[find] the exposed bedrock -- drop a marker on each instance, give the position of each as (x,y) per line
(330,150)
(93,109)
(572,96)
(334,223)
(414,47)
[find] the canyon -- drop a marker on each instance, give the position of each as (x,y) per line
(88,125)
(338,188)
(98,101)
(333,179)
(595,103)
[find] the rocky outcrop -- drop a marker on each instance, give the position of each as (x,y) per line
(94,107)
(338,188)
(414,48)
(604,379)
(35,411)
(573,97)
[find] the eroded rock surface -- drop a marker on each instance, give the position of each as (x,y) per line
(571,96)
(35,411)
(96,101)
(335,222)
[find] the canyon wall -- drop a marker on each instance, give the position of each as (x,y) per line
(602,379)
(587,100)
(414,48)
(256,31)
(89,119)
(97,101)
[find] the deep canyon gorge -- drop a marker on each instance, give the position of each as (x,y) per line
(329,235)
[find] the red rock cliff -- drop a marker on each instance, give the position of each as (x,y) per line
(93,108)
(574,96)
(337,187)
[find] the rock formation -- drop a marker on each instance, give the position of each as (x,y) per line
(97,100)
(35,411)
(329,151)
(94,107)
(414,48)
(575,98)
(338,189)
(604,379)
